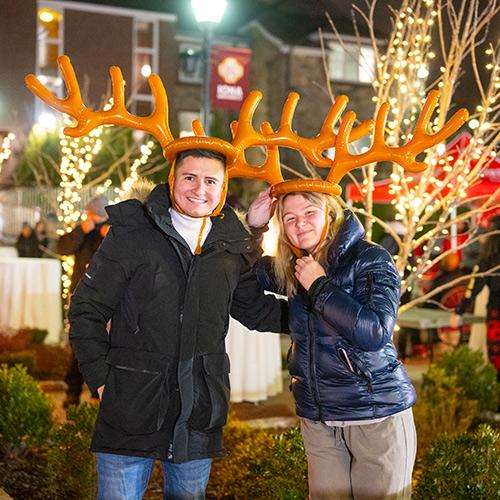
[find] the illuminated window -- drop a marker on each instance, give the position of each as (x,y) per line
(145,62)
(49,48)
(350,62)
(186,119)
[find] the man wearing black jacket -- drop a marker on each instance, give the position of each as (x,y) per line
(82,242)
(168,275)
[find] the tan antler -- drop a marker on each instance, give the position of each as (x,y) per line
(155,124)
(405,155)
(245,136)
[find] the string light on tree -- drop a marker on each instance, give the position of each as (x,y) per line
(6,149)
(76,162)
(427,203)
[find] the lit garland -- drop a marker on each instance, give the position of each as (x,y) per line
(76,162)
(146,151)
(6,148)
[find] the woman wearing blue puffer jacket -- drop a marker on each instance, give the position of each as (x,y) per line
(352,394)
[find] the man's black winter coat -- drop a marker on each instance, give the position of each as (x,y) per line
(164,364)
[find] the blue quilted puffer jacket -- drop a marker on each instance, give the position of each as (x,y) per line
(342,361)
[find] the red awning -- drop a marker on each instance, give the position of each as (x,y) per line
(487,185)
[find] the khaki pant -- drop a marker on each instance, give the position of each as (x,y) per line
(361,462)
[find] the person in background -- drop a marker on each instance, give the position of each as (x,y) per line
(352,395)
(41,235)
(82,242)
(27,242)
(489,259)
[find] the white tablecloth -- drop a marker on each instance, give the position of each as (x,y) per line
(255,363)
(30,295)
(10,252)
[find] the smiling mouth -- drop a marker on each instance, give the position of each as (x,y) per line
(196,201)
(305,233)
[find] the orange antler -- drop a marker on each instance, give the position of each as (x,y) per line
(380,151)
(245,136)
(156,124)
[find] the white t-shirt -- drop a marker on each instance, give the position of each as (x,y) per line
(348,423)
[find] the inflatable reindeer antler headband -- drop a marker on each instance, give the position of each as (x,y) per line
(245,136)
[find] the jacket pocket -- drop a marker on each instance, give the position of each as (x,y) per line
(211,392)
(136,393)
(354,365)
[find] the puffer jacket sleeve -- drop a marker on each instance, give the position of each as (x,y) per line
(365,318)
(93,303)
(256,310)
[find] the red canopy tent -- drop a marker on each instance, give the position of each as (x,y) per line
(487,185)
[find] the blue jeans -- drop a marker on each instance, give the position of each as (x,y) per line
(121,477)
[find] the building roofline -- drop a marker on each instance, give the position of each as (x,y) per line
(282,46)
(109,9)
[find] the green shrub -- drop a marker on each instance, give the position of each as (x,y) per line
(71,466)
(51,362)
(261,464)
(282,472)
(441,409)
(24,358)
(477,379)
(463,467)
(25,411)
(38,335)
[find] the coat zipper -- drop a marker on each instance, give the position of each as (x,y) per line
(128,368)
(312,363)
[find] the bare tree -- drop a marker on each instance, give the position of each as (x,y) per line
(427,204)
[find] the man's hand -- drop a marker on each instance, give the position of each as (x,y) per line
(100,390)
(307,271)
(88,225)
(262,209)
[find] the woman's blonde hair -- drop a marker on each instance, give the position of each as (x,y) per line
(284,262)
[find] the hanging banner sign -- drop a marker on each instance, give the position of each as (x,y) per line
(230,76)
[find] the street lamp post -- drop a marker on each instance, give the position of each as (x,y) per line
(208,14)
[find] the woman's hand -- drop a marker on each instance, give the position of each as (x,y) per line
(262,209)
(307,271)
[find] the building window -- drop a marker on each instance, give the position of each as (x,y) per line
(145,62)
(49,48)
(351,62)
(190,63)
(186,119)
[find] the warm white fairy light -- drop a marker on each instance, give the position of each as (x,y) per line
(401,74)
(6,148)
(146,151)
(77,155)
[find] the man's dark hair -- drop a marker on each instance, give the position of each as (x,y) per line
(201,153)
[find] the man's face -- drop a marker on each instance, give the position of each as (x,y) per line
(198,185)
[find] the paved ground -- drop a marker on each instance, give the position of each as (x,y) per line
(276,411)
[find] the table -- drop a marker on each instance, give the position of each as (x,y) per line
(424,319)
(10,252)
(30,295)
(255,363)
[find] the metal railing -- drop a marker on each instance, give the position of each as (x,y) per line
(18,205)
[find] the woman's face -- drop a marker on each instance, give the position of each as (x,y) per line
(303,222)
